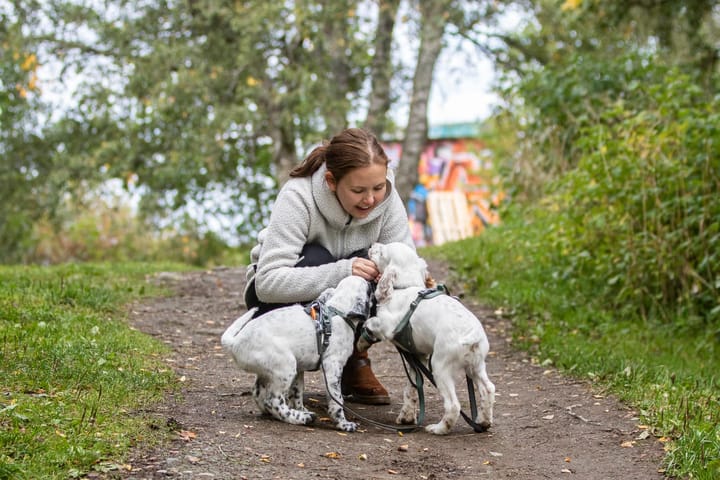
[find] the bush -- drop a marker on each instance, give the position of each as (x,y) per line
(639,217)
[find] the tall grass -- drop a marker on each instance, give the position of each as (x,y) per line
(669,372)
(71,369)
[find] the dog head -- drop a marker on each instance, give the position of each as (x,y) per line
(353,296)
(399,266)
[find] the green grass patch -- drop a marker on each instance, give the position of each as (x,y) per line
(72,373)
(669,371)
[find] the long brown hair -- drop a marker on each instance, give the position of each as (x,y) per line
(350,149)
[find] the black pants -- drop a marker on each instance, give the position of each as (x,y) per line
(313,255)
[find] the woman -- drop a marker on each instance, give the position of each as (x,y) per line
(338,202)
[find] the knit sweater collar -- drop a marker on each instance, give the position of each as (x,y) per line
(330,208)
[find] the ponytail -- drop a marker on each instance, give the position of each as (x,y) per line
(311,163)
(350,149)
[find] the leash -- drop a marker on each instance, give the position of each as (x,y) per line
(420,370)
(324,330)
(403,340)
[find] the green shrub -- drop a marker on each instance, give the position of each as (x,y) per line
(638,220)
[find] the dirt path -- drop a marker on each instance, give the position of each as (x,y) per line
(546,425)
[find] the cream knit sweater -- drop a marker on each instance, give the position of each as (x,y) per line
(307,211)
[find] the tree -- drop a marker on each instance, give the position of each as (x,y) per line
(382,68)
(433,20)
(25,169)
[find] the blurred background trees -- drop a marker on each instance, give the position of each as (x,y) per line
(204,106)
(197,109)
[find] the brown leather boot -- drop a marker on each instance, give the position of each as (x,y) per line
(359,383)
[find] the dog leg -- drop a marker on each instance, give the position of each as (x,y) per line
(275,380)
(446,387)
(259,394)
(333,374)
(409,411)
(295,395)
(276,403)
(486,390)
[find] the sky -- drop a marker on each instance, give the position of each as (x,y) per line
(461,92)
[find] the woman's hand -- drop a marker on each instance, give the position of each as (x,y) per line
(362,267)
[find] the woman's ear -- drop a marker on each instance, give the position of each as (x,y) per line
(385,285)
(330,179)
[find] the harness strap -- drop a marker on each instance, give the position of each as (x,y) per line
(402,335)
(418,366)
(322,314)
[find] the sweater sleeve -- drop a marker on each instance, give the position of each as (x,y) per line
(278,280)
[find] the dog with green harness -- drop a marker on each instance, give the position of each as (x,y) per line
(436,329)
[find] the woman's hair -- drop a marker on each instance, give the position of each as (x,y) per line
(350,149)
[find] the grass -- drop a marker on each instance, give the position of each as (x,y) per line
(73,374)
(670,374)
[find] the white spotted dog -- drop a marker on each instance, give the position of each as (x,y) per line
(441,329)
(282,344)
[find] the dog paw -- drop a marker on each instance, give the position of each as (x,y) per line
(438,429)
(406,419)
(309,417)
(300,418)
(347,426)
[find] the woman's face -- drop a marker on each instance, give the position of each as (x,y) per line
(360,190)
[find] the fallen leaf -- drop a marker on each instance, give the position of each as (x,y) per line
(301,465)
(265,458)
(486,462)
(362,456)
(403,448)
(628,444)
(567,459)
(332,455)
(643,435)
(186,435)
(664,439)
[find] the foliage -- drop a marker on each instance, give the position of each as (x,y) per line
(638,220)
(24,167)
(665,372)
(189,99)
(72,372)
(608,260)
(105,227)
(573,60)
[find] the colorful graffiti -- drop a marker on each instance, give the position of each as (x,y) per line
(451,165)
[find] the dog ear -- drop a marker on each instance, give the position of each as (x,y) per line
(385,285)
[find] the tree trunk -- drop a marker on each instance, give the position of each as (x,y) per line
(382,68)
(431,35)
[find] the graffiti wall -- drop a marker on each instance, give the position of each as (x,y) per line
(459,165)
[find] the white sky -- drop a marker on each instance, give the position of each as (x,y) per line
(461,90)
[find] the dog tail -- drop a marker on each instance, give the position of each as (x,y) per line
(227,338)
